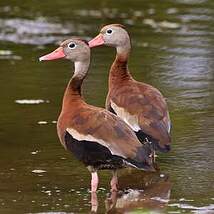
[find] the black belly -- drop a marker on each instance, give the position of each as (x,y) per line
(92,153)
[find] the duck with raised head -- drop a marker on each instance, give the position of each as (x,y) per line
(140,105)
(96,137)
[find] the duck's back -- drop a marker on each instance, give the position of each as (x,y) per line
(143,108)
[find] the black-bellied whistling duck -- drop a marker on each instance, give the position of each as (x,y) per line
(140,105)
(98,138)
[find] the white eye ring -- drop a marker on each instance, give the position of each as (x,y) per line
(109,31)
(72,45)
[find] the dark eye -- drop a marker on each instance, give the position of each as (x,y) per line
(109,31)
(72,45)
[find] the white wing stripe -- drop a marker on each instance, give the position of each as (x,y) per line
(131,120)
(78,136)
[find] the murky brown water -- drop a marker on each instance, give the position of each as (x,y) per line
(173,49)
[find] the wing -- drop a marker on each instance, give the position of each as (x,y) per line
(144,109)
(100,126)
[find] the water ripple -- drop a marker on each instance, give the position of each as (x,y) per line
(38,31)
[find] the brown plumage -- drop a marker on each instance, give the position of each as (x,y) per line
(109,131)
(98,138)
(140,105)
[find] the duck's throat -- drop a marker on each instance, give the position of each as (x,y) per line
(73,90)
(123,50)
(81,69)
(119,69)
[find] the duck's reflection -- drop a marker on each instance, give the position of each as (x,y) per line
(146,191)
(94,202)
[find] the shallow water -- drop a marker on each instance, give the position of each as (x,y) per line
(172,50)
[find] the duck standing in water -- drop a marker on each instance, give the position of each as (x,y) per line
(140,105)
(96,137)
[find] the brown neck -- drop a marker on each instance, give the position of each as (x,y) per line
(73,91)
(119,69)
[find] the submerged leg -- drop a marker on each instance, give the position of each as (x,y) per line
(114,181)
(111,202)
(94,202)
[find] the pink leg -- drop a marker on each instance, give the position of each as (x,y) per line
(114,182)
(94,181)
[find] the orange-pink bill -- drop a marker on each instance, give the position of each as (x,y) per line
(97,41)
(57,54)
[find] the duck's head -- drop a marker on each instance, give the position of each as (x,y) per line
(113,35)
(74,49)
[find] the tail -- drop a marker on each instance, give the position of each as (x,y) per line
(143,159)
(158,145)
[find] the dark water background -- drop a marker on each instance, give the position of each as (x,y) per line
(173,49)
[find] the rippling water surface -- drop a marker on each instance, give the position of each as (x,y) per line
(173,49)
